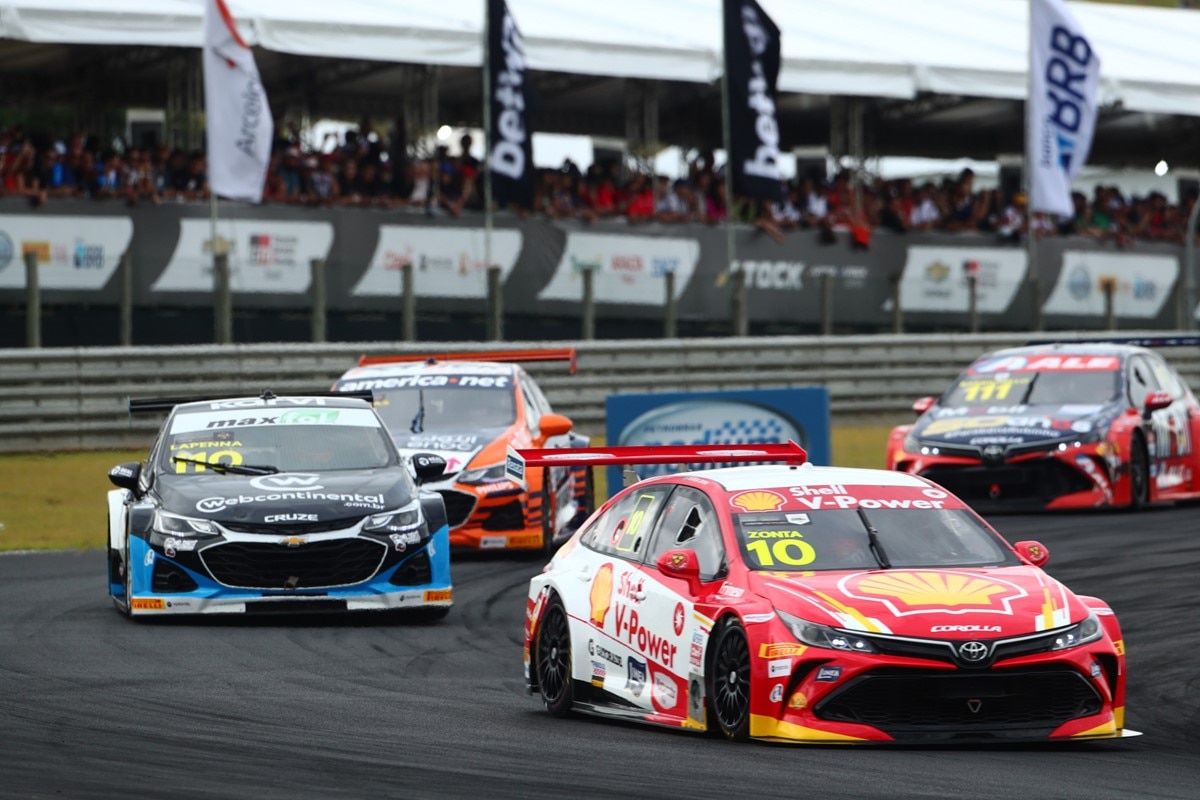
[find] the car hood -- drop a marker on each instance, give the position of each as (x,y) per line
(457,447)
(926,603)
(260,499)
(1012,427)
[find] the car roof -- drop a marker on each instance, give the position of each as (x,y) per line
(434,368)
(285,401)
(770,476)
(1069,348)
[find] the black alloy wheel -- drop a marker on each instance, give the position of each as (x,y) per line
(552,649)
(1139,474)
(729,682)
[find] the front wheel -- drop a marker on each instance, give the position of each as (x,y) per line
(729,682)
(552,649)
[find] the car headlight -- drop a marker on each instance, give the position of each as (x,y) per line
(490,474)
(179,525)
(824,636)
(1089,630)
(397,521)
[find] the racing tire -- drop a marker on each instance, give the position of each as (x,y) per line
(1139,474)
(729,682)
(552,659)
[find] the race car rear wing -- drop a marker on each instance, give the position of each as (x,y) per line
(518,460)
(149,405)
(1136,341)
(564,354)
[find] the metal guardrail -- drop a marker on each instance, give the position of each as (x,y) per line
(76,398)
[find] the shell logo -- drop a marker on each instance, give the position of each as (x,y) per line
(601,596)
(757,500)
(930,591)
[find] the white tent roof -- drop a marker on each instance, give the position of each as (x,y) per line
(881,48)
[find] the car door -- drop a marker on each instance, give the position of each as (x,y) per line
(612,632)
(688,522)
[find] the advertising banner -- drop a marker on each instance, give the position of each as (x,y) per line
(935,278)
(511,156)
(1062,105)
(752,49)
(79,253)
(264,255)
(446,262)
(239,128)
(628,269)
(1142,284)
(751,416)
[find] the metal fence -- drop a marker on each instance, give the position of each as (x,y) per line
(76,398)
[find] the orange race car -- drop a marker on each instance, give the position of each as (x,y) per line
(470,408)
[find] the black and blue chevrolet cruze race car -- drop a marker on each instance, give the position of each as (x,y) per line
(266,504)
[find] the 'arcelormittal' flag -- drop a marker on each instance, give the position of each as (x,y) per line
(512,97)
(239,120)
(751,67)
(1062,105)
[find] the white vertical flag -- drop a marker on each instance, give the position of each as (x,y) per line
(1061,119)
(239,119)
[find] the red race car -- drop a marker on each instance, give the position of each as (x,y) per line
(1057,425)
(813,605)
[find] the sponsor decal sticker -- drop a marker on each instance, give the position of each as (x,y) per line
(600,651)
(171,546)
(829,674)
(636,676)
(798,701)
(492,542)
(401,541)
(929,591)
(780,650)
(757,500)
(439,595)
(779,668)
(525,540)
(291,518)
(777,693)
(148,603)
(601,594)
(665,693)
(677,620)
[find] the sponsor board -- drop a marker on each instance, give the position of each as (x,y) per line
(264,255)
(758,416)
(628,269)
(935,278)
(71,252)
(446,261)
(1142,283)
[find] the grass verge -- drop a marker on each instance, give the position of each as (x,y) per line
(55,501)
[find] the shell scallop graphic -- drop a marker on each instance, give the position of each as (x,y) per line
(601,596)
(758,500)
(946,590)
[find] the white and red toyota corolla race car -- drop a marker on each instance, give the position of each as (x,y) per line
(813,604)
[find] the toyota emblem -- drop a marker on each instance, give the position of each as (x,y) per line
(973,651)
(994,452)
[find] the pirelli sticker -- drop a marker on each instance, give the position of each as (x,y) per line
(781,650)
(439,595)
(148,604)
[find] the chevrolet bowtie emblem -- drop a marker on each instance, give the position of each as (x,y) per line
(292,541)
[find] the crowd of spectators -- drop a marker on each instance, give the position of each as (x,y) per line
(359,170)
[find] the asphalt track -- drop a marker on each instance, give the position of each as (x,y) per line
(92,705)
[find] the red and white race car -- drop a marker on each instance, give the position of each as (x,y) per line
(814,605)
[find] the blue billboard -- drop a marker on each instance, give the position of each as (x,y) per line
(746,416)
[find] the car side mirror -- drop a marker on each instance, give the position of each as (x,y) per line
(125,476)
(1033,552)
(681,564)
(428,467)
(554,425)
(1157,400)
(922,405)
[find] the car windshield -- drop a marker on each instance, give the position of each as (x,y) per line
(841,539)
(1048,387)
(277,440)
(413,410)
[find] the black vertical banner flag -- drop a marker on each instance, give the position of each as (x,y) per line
(511,142)
(751,67)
